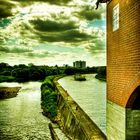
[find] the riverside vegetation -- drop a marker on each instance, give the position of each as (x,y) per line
(101,74)
(47,74)
(49,98)
(24,73)
(8,92)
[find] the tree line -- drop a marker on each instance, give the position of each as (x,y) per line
(31,72)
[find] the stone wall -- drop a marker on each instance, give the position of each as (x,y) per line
(122,123)
(115,121)
(73,120)
(132,124)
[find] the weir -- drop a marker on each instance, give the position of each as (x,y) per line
(75,123)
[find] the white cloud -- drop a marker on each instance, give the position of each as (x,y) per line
(81,42)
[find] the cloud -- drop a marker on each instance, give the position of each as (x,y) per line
(81,8)
(65,36)
(58,30)
(10,7)
(67,24)
(97,46)
(88,12)
(52,26)
(6,8)
(38,54)
(56,2)
(5,49)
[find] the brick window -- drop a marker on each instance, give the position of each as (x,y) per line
(116,17)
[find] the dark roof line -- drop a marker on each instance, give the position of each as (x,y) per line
(100,1)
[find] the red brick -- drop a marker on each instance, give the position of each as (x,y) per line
(123,51)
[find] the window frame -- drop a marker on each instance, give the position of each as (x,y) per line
(115,17)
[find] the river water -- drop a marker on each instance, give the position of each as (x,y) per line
(21,117)
(90,95)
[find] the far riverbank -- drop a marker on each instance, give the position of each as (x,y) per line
(8,92)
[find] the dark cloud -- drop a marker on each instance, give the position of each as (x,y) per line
(7,5)
(98,47)
(56,2)
(52,26)
(60,27)
(6,8)
(65,36)
(88,12)
(38,55)
(13,50)
(4,49)
(58,31)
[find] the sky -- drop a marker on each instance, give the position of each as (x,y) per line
(50,32)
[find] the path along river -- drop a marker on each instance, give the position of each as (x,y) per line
(90,95)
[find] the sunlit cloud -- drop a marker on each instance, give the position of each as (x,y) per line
(49,31)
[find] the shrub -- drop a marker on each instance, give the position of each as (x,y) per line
(49,98)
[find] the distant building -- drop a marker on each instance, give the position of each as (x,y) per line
(30,64)
(65,65)
(79,64)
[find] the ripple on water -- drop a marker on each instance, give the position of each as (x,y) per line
(21,117)
(90,95)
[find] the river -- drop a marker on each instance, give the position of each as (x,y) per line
(90,95)
(21,117)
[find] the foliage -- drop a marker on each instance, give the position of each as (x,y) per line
(49,97)
(24,73)
(101,70)
(73,70)
(101,73)
(6,78)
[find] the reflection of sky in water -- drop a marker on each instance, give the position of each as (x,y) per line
(90,95)
(21,117)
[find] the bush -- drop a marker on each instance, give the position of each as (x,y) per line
(49,98)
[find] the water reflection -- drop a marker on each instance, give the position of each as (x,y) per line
(21,117)
(90,95)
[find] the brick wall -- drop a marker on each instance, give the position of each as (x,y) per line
(123,51)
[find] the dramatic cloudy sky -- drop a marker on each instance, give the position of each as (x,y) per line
(52,32)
